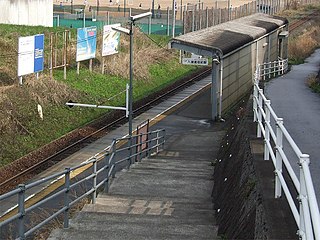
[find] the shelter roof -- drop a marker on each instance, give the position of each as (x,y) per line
(230,35)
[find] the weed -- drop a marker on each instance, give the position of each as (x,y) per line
(314,83)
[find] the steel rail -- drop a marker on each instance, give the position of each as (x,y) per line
(301,21)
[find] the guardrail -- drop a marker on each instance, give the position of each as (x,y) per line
(272,129)
(273,69)
(96,173)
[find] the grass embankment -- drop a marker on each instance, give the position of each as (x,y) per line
(21,128)
(303,43)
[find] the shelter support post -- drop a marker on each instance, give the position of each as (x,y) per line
(214,88)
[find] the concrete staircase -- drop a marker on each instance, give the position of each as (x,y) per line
(163,197)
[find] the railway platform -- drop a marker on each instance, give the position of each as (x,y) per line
(166,196)
(161,188)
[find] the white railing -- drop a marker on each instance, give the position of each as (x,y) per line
(273,69)
(306,215)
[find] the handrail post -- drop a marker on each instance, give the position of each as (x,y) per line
(255,92)
(107,169)
(148,144)
(259,112)
(134,150)
(130,151)
(305,220)
(157,142)
(21,208)
(255,97)
(94,181)
(66,199)
(267,130)
(278,166)
(113,154)
(163,139)
(140,146)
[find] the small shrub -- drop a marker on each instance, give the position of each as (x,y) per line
(314,83)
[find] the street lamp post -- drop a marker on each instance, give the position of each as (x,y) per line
(130,33)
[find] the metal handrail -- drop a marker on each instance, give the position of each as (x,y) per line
(116,154)
(307,217)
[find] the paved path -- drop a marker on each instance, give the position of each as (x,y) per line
(295,102)
(164,197)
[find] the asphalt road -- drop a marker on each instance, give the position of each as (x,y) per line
(295,102)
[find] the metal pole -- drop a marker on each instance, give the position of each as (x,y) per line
(214,90)
(66,198)
(94,182)
(267,131)
(149,23)
(173,17)
(65,56)
(181,10)
(124,8)
(152,10)
(168,21)
(84,18)
(278,166)
(22,213)
(130,81)
(51,55)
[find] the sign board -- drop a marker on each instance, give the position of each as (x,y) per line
(30,54)
(195,61)
(86,43)
(111,40)
(38,52)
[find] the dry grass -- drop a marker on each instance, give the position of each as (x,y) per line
(303,42)
(304,45)
(41,91)
(146,53)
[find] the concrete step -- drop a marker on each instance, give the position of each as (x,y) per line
(159,183)
(203,216)
(187,155)
(126,200)
(148,169)
(136,232)
(171,214)
(176,163)
(112,226)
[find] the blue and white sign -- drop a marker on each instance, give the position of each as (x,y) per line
(38,52)
(86,43)
(30,54)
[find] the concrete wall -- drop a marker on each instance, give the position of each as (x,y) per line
(27,12)
(243,192)
(238,68)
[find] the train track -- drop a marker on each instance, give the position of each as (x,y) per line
(61,154)
(298,23)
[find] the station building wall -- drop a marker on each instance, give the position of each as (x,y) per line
(238,67)
(27,12)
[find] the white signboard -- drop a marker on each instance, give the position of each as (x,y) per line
(195,61)
(111,40)
(25,55)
